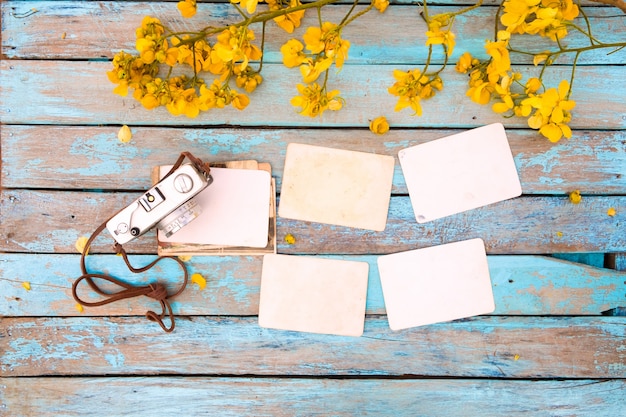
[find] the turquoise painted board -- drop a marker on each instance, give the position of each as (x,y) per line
(364,87)
(272,397)
(40,221)
(61,28)
(524,285)
(485,347)
(92,157)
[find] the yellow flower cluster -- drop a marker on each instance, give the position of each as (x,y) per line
(228,58)
(440,33)
(187,8)
(538,17)
(314,100)
(290,21)
(325,47)
(494,79)
(412,86)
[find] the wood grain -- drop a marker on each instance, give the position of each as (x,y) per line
(52,221)
(276,397)
(522,285)
(86,97)
(547,350)
(86,157)
(548,347)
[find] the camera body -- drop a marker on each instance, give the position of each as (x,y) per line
(172,194)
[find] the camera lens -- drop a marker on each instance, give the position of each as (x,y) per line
(134,231)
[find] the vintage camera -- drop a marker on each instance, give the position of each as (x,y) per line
(169,205)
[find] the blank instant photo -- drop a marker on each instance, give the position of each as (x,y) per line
(315,295)
(436,284)
(460,172)
(234,210)
(335,186)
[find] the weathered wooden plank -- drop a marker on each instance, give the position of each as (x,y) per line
(86,157)
(278,397)
(51,221)
(63,29)
(86,97)
(526,285)
(547,347)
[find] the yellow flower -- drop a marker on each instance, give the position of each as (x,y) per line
(185,102)
(575,197)
(240,101)
(78,307)
(465,63)
(199,280)
(128,72)
(480,90)
(311,71)
(517,13)
(500,61)
(532,85)
(553,112)
(435,36)
(124,135)
(314,38)
(314,100)
(611,212)
(26,285)
(290,21)
(290,239)
(339,52)
(234,46)
(187,8)
(379,125)
(249,80)
(540,57)
(292,53)
(249,5)
(380,5)
(80,244)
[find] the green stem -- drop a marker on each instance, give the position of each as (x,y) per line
(356,16)
(571,80)
(349,13)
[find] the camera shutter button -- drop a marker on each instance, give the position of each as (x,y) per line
(183,183)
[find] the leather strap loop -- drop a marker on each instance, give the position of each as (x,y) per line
(156,291)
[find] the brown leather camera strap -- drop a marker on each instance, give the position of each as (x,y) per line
(156,291)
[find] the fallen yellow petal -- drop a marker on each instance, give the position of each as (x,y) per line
(290,239)
(125,135)
(575,197)
(516,357)
(185,258)
(198,279)
(611,212)
(26,285)
(79,307)
(559,234)
(379,125)
(80,244)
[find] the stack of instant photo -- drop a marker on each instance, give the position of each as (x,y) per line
(352,189)
(235,215)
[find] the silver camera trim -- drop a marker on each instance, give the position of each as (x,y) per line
(158,202)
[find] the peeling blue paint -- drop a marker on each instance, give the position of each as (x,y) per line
(115,360)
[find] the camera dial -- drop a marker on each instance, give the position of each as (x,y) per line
(183,183)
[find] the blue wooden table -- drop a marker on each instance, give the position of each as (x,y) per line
(554,346)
